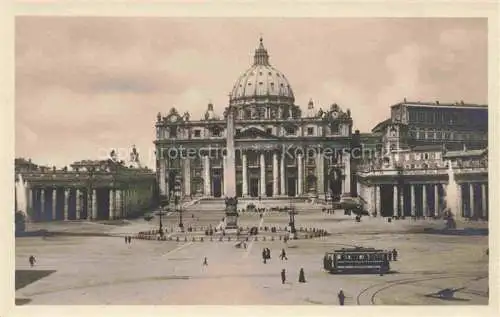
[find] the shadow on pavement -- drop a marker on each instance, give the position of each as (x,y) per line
(26,277)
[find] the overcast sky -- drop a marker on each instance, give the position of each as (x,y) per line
(86,85)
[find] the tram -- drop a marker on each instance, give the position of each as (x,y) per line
(356,260)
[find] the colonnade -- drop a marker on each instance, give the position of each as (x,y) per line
(427,200)
(75,203)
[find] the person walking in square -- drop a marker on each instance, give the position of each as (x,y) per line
(394,254)
(264,255)
(283,255)
(302,277)
(205,262)
(283,276)
(341,297)
(129,239)
(126,239)
(32,260)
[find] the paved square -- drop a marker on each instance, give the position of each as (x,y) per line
(105,270)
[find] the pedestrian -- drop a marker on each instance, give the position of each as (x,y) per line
(244,245)
(264,255)
(129,239)
(32,260)
(389,256)
(341,297)
(283,276)
(283,254)
(268,254)
(395,254)
(302,277)
(205,262)
(126,239)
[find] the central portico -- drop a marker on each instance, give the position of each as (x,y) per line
(278,150)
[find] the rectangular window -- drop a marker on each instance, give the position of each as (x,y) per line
(269,131)
(290,130)
(310,131)
(439,135)
(421,116)
(197,133)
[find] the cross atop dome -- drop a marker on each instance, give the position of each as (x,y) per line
(261,57)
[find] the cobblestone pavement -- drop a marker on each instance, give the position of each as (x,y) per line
(105,270)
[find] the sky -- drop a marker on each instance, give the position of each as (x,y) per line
(86,85)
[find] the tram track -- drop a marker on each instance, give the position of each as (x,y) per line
(367,295)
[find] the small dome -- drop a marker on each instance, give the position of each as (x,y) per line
(262,80)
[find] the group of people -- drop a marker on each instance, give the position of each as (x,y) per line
(302,276)
(392,255)
(128,239)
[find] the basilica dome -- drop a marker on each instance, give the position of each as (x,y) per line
(261,82)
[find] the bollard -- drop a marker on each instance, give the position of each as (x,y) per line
(280,238)
(264,238)
(177,239)
(228,239)
(201,239)
(272,238)
(256,239)
(185,239)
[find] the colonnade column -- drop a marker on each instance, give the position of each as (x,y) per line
(118,202)
(484,203)
(54,203)
(436,200)
(244,186)
(262,174)
(42,202)
(206,171)
(29,208)
(300,172)
(412,197)
(282,175)
(471,200)
(395,200)
(425,209)
(66,203)
(94,204)
(223,179)
(401,194)
(112,204)
(275,175)
(78,204)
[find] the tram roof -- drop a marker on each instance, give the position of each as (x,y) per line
(357,250)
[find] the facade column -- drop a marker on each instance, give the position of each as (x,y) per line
(206,171)
(320,176)
(275,175)
(472,211)
(282,175)
(54,204)
(111,204)
(125,202)
(187,177)
(484,204)
(163,173)
(118,200)
(78,202)
(412,194)
(460,211)
(66,203)
(262,174)
(395,200)
(244,167)
(94,204)
(425,209)
(402,199)
(436,200)
(300,172)
(347,171)
(377,200)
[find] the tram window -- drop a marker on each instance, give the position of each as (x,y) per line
(339,256)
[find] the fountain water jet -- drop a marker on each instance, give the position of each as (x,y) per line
(22,205)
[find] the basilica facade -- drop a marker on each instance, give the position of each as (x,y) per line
(280,151)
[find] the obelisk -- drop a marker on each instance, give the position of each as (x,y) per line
(230,173)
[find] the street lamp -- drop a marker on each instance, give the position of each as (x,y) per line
(177,197)
(163,204)
(292,214)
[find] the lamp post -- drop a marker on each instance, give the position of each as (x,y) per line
(178,206)
(399,168)
(292,214)
(163,204)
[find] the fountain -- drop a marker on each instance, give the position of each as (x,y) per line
(451,199)
(21,214)
(21,195)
